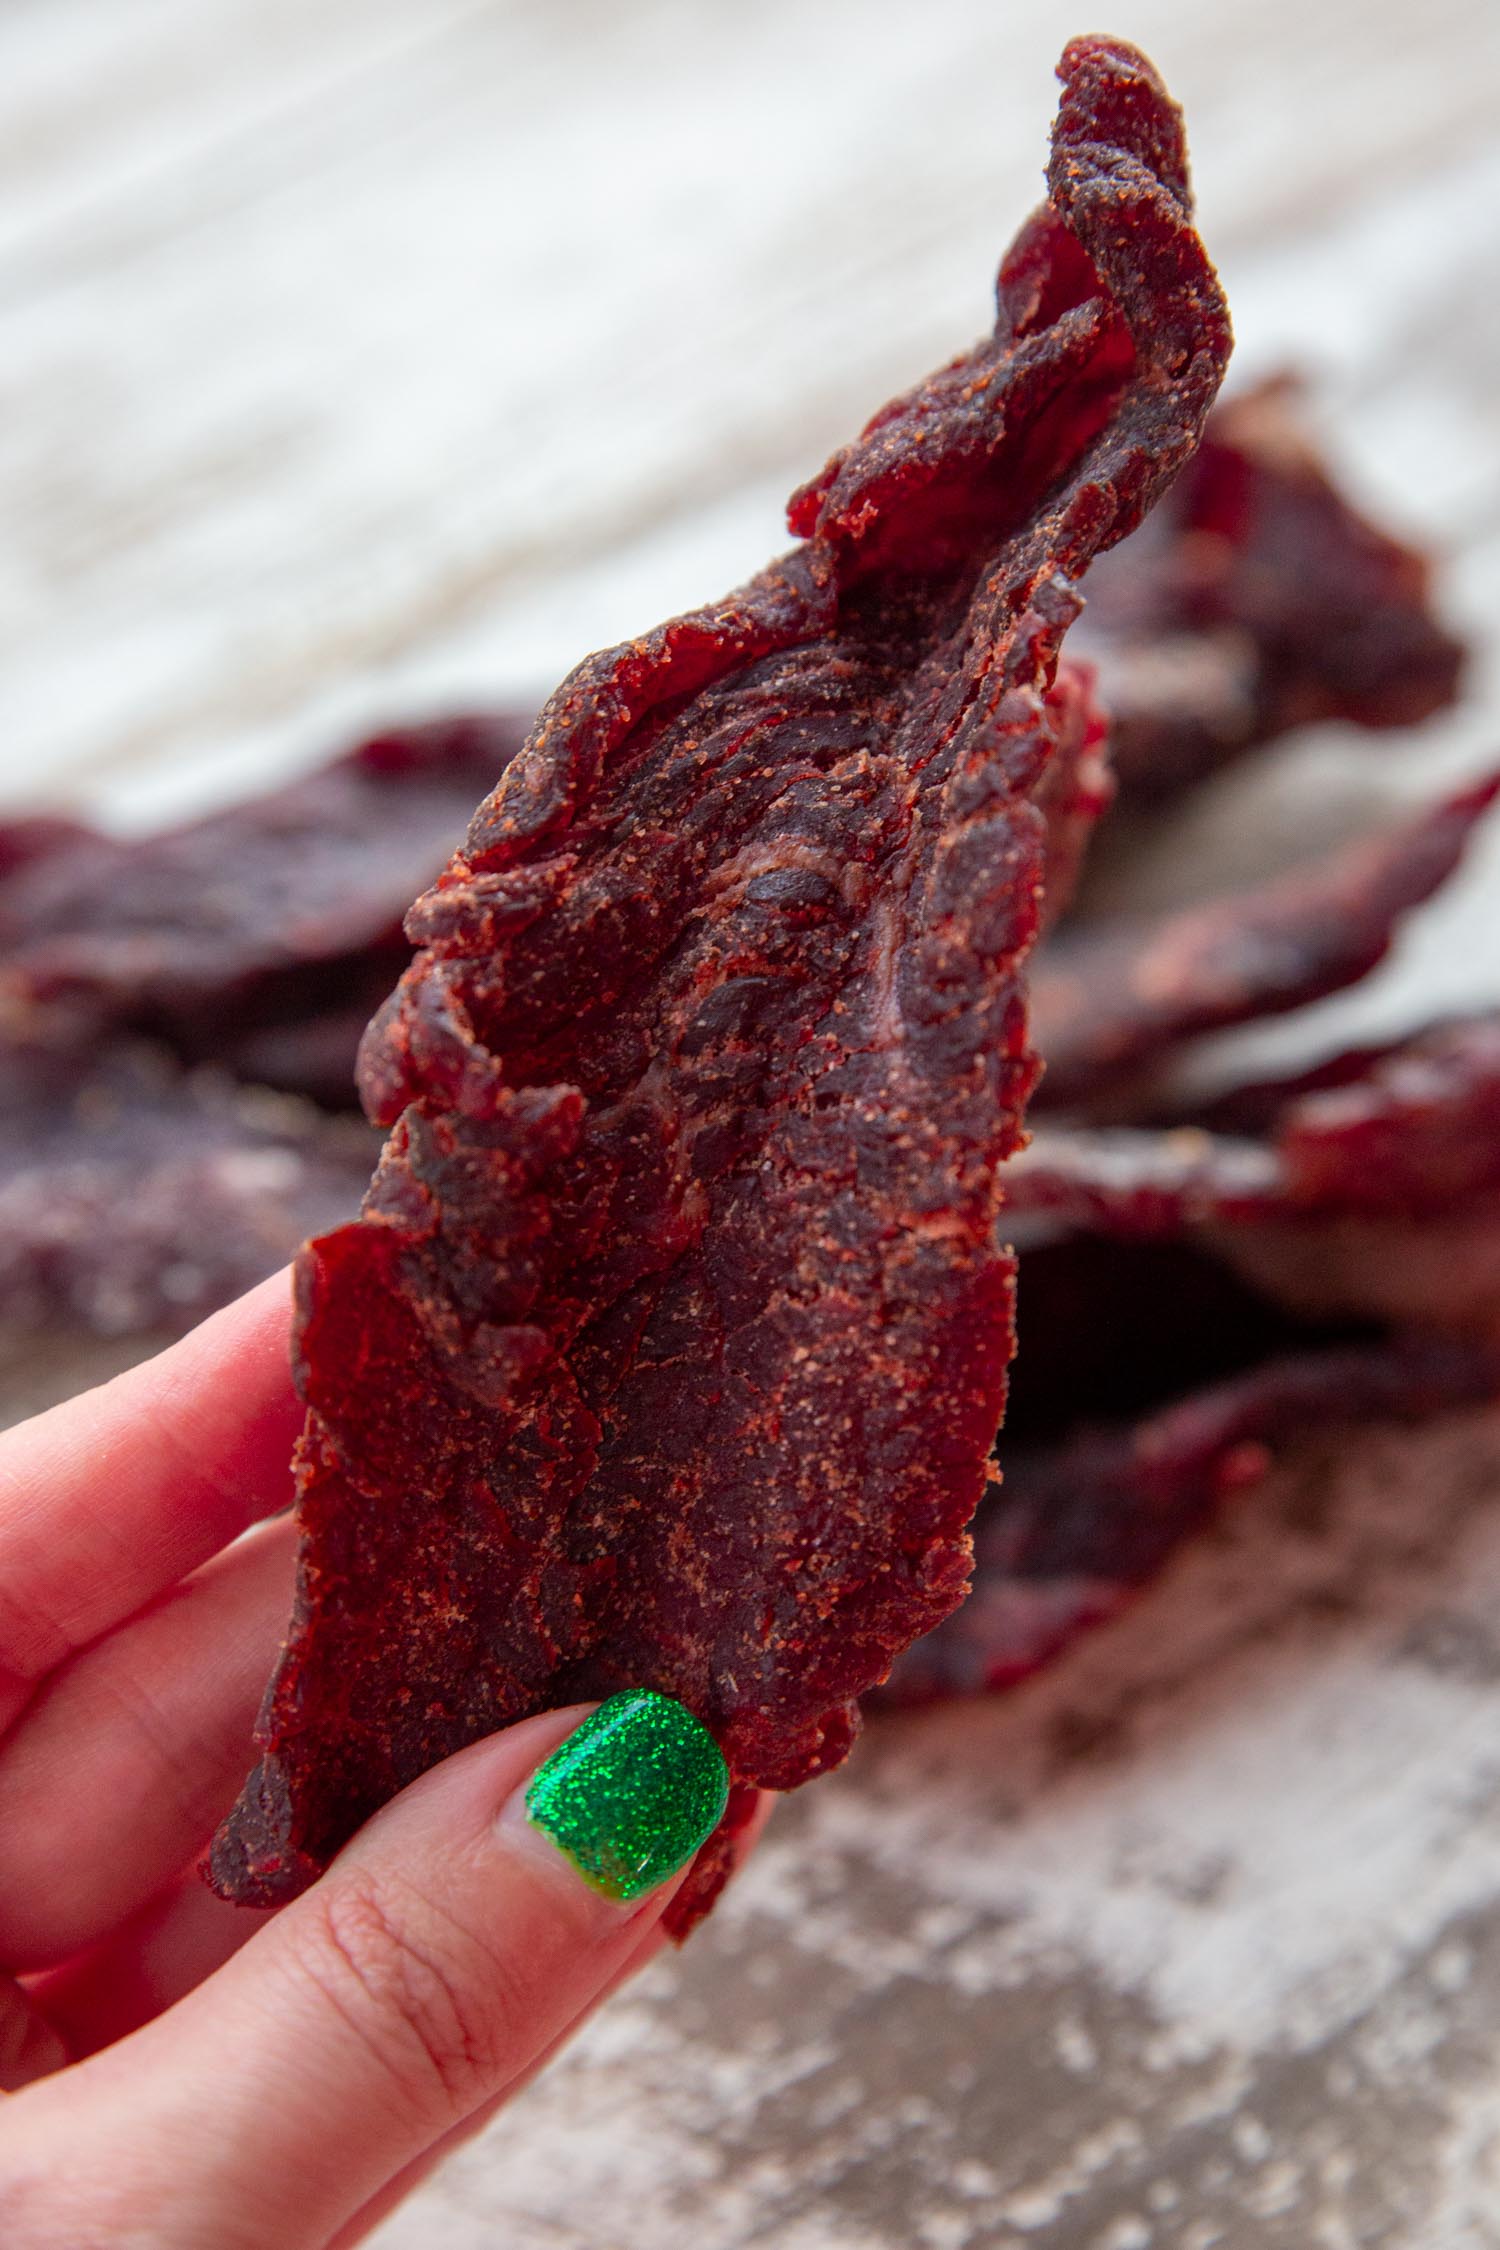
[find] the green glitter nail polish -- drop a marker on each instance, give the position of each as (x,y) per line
(632,1793)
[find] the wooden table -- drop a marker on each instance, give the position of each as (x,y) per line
(364,356)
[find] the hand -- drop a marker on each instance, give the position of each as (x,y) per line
(197,2076)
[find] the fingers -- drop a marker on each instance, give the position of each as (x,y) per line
(30,2045)
(396,2190)
(442,1954)
(127,1758)
(155,1959)
(167,1949)
(109,1499)
(411,2176)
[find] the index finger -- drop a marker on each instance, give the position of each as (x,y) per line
(111,1497)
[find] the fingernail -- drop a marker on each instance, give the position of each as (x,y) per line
(632,1793)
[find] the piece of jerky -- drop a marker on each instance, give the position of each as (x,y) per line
(1419,1131)
(1253,1105)
(1111,997)
(135,1195)
(671,1346)
(281,912)
(37,836)
(1137,1183)
(1376,1202)
(1391,1192)
(1077,788)
(1202,1297)
(1438,1268)
(1416,1131)
(1077,1529)
(1257,599)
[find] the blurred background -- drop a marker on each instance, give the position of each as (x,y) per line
(361,356)
(363,359)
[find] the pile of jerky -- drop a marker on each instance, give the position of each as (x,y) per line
(1199,1283)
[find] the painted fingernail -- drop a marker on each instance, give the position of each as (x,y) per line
(632,1793)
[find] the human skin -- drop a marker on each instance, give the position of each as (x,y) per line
(183,2073)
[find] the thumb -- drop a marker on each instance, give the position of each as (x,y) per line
(452,1942)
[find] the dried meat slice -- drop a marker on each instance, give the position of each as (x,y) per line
(1253,1104)
(1138,1184)
(1208,1307)
(282,911)
(32,838)
(135,1195)
(1079,1528)
(1077,786)
(1412,1130)
(1376,1202)
(671,1345)
(1111,997)
(1419,1131)
(1390,1207)
(1254,600)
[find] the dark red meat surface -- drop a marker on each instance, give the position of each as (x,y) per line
(1077,788)
(1189,1302)
(671,1345)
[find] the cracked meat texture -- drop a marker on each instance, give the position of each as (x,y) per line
(671,1344)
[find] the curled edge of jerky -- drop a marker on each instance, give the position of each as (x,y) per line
(520,1320)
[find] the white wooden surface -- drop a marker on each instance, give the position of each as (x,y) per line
(359,356)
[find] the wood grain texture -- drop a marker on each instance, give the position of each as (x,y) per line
(360,356)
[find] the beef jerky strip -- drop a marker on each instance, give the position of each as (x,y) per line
(1111,997)
(1253,1105)
(1077,788)
(670,1348)
(1078,1529)
(1418,1132)
(1254,600)
(34,837)
(315,1054)
(134,1195)
(1137,1183)
(1154,1262)
(1391,1207)
(281,911)
(371,821)
(1379,1200)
